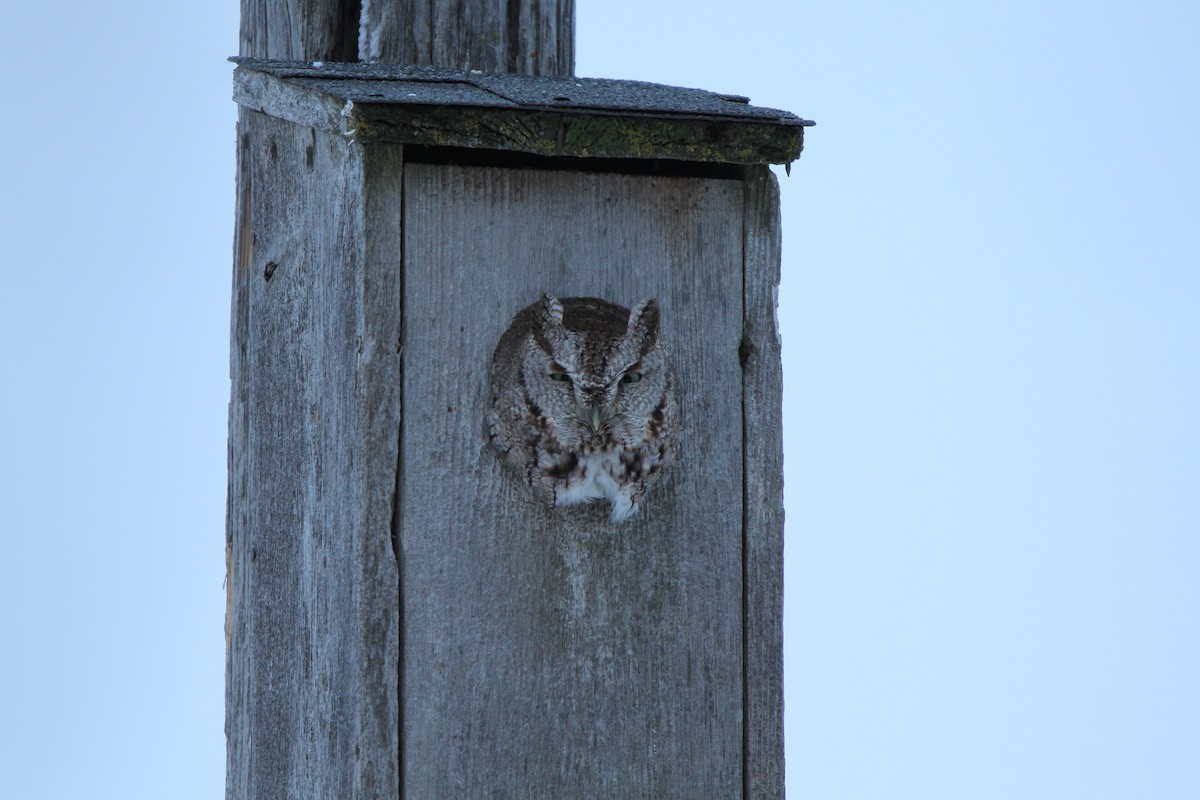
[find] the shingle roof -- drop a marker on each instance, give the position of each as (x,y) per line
(582,117)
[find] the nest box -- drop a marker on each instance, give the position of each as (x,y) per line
(405,619)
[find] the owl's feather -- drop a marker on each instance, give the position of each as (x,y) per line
(583,401)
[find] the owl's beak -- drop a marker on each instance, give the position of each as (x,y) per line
(593,410)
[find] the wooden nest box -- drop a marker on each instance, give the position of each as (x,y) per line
(406,620)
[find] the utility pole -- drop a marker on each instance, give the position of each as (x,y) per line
(404,620)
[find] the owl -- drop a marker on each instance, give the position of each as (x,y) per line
(583,401)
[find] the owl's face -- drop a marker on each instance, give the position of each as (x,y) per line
(583,402)
(597,372)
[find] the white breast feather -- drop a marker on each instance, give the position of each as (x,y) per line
(598,483)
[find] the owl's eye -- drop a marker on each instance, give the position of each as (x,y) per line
(560,376)
(631,377)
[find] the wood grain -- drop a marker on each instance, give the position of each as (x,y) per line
(311,691)
(547,652)
(762,392)
(527,37)
(300,30)
(524,37)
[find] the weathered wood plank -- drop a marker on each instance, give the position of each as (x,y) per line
(547,652)
(312,708)
(303,30)
(576,117)
(531,37)
(527,37)
(260,91)
(237,512)
(579,134)
(762,388)
(380,389)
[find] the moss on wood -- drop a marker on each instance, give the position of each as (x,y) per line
(579,135)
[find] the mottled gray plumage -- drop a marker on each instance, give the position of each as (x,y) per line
(583,401)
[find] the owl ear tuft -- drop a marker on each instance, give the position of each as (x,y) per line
(552,309)
(547,322)
(643,324)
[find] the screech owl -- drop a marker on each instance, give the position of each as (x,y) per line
(583,401)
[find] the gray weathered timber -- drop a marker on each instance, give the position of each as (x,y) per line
(308,30)
(548,652)
(404,621)
(762,393)
(312,702)
(529,37)
(545,116)
(526,37)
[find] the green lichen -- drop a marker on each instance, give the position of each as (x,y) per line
(582,134)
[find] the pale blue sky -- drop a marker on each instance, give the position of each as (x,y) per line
(990,316)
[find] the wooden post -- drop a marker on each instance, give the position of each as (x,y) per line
(521,37)
(404,621)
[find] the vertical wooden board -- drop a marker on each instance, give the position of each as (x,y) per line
(547,652)
(524,37)
(376,592)
(237,521)
(300,30)
(312,703)
(763,392)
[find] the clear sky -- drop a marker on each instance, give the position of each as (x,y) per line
(991,319)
